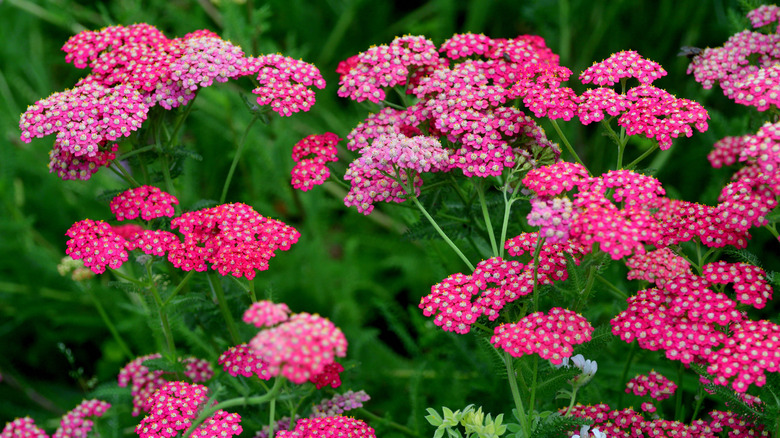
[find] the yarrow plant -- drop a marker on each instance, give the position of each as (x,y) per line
(551,259)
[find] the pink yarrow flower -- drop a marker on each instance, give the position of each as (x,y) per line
(24,427)
(328,376)
(658,266)
(311,154)
(175,405)
(553,216)
(750,282)
(74,424)
(285,83)
(656,385)
(148,202)
(265,313)
(339,404)
(750,351)
(550,335)
(622,65)
(97,245)
(329,427)
(243,360)
(300,347)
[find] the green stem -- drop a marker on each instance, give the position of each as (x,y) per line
(699,400)
(107,321)
(532,401)
(180,122)
(441,232)
(567,144)
(234,164)
(772,229)
(179,287)
(624,375)
(505,224)
(120,171)
(537,253)
(272,407)
(127,278)
(486,215)
(135,152)
(167,176)
(571,403)
(166,327)
(216,287)
(251,291)
(678,406)
(619,293)
(240,401)
(388,423)
(510,373)
(588,287)
(644,155)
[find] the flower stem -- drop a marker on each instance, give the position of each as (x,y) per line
(567,144)
(678,406)
(166,327)
(181,285)
(111,327)
(234,164)
(240,401)
(486,215)
(441,232)
(639,159)
(537,253)
(624,375)
(507,210)
(510,371)
(272,415)
(124,174)
(216,287)
(571,403)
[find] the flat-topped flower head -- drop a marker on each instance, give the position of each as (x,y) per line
(746,202)
(75,424)
(750,351)
(765,15)
(143,382)
(621,65)
(285,83)
(176,405)
(300,347)
(726,151)
(329,427)
(555,179)
(97,245)
(92,47)
(310,154)
(466,44)
(233,238)
(764,149)
(657,266)
(750,282)
(328,377)
(653,384)
(553,216)
(244,361)
(551,335)
(595,102)
(85,119)
(24,427)
(146,202)
(265,313)
(339,404)
(386,66)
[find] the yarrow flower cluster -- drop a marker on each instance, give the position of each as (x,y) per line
(300,347)
(97,245)
(658,266)
(74,424)
(266,313)
(656,385)
(553,216)
(284,83)
(143,382)
(176,405)
(147,202)
(329,427)
(311,155)
(387,167)
(746,66)
(242,360)
(551,335)
(622,65)
(339,404)
(328,376)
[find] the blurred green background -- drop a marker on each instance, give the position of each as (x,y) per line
(358,271)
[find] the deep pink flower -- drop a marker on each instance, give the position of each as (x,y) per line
(265,313)
(658,266)
(243,360)
(555,179)
(175,405)
(752,349)
(144,382)
(318,145)
(233,238)
(621,65)
(97,245)
(658,386)
(329,427)
(765,15)
(308,173)
(148,202)
(22,428)
(155,242)
(75,425)
(328,376)
(300,347)
(553,216)
(750,283)
(595,101)
(550,335)
(682,221)
(552,257)
(726,151)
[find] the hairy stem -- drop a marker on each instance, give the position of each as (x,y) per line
(441,232)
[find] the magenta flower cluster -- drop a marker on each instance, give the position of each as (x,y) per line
(653,384)
(311,155)
(329,427)
(74,424)
(241,359)
(146,202)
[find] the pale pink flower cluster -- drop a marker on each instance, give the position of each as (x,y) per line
(551,335)
(553,216)
(746,66)
(340,403)
(300,347)
(143,382)
(148,202)
(173,408)
(266,313)
(285,83)
(85,119)
(311,155)
(385,168)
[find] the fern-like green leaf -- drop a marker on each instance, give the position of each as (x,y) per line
(556,425)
